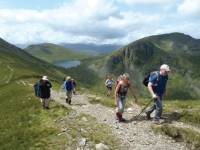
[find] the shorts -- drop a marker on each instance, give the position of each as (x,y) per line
(109,88)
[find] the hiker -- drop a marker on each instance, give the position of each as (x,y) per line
(120,95)
(68,85)
(74,86)
(157,88)
(45,92)
(109,84)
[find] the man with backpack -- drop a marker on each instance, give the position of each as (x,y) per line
(157,87)
(68,85)
(44,90)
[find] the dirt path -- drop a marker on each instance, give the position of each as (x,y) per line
(136,134)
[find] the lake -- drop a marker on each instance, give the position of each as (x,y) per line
(67,64)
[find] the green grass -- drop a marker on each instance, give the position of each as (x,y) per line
(52,53)
(188,109)
(191,117)
(187,112)
(105,101)
(24,124)
(171,105)
(188,136)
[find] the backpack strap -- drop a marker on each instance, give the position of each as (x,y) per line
(157,74)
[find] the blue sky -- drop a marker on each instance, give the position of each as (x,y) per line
(31,4)
(95,21)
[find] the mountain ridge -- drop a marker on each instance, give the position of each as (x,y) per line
(147,54)
(53,52)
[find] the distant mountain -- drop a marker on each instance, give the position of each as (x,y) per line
(92,49)
(180,51)
(22,46)
(52,52)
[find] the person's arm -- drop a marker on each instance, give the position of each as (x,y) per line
(152,80)
(133,93)
(49,85)
(63,85)
(151,90)
(106,82)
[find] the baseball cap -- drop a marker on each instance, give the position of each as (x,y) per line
(165,67)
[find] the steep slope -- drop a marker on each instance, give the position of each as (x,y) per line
(52,52)
(180,51)
(24,125)
(23,64)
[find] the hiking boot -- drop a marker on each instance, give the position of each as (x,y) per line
(148,116)
(70,102)
(156,122)
(122,120)
(118,115)
(46,107)
(66,100)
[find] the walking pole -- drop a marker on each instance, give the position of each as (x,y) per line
(144,109)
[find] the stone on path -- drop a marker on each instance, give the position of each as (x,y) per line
(101,146)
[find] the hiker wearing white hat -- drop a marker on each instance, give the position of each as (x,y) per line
(157,88)
(45,78)
(165,67)
(45,92)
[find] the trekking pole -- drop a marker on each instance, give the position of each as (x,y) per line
(144,108)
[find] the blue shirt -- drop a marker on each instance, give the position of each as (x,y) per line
(159,83)
(68,85)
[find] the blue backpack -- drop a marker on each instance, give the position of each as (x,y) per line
(36,87)
(69,85)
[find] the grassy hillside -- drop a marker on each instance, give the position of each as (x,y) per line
(52,53)
(24,124)
(180,51)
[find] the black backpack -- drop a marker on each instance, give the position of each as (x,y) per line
(146,78)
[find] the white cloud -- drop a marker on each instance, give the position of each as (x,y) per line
(96,21)
(82,20)
(146,1)
(190,7)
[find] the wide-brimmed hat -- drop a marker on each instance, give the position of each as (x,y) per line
(68,78)
(45,78)
(165,67)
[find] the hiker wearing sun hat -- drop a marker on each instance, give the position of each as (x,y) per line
(157,88)
(45,91)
